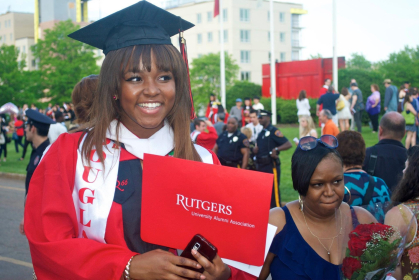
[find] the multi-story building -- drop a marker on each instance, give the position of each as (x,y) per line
(246,31)
(17,29)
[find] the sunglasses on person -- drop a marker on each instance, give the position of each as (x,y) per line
(308,143)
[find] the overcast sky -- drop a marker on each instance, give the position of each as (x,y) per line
(374,28)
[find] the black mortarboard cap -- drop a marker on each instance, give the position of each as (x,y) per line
(37,119)
(140,24)
(264,113)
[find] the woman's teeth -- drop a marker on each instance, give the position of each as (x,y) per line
(149,105)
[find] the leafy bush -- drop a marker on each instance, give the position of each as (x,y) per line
(242,89)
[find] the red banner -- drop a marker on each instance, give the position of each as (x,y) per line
(228,206)
(216,7)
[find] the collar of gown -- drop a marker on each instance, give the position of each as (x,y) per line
(160,143)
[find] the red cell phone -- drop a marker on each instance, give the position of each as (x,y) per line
(203,246)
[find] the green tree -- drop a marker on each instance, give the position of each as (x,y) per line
(16,85)
(358,61)
(242,89)
(63,61)
(401,66)
(205,77)
(315,56)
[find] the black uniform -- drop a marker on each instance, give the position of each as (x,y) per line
(267,140)
(42,123)
(36,156)
(229,148)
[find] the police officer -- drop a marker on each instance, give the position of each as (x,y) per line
(36,129)
(232,146)
(269,143)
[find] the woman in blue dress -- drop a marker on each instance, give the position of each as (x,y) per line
(308,244)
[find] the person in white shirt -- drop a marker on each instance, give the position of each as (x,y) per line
(303,108)
(58,128)
(256,104)
(254,125)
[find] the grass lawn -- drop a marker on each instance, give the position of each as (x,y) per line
(13,165)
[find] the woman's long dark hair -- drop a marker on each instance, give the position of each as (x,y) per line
(105,109)
(408,187)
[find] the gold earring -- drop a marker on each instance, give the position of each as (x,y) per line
(349,192)
(301,202)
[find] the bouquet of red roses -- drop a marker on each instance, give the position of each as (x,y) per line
(372,252)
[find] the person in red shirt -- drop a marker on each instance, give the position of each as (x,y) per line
(20,132)
(204,134)
(330,127)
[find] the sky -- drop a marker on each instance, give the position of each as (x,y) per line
(374,28)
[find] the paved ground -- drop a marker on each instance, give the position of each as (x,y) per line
(15,259)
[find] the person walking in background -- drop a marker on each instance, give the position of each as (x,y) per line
(373,107)
(404,89)
(57,128)
(20,132)
(308,128)
(256,104)
(237,111)
(212,108)
(357,105)
(4,128)
(329,127)
(386,159)
(219,125)
(344,113)
(269,144)
(361,188)
(254,126)
(409,113)
(204,134)
(232,146)
(303,107)
(390,97)
(328,100)
(246,110)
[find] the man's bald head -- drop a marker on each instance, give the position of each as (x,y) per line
(392,126)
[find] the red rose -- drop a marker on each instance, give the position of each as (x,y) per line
(356,246)
(349,266)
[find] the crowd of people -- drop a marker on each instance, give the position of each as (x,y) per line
(86,228)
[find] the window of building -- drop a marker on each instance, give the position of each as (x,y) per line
(282,56)
(198,18)
(244,15)
(24,49)
(11,36)
(209,16)
(245,36)
(18,48)
(269,15)
(10,23)
(269,56)
(225,15)
(225,36)
(269,36)
(295,55)
(281,17)
(5,24)
(199,38)
(209,36)
(295,20)
(0,25)
(245,56)
(33,63)
(245,75)
(282,37)
(295,38)
(199,55)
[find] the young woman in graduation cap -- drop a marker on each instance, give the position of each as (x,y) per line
(79,226)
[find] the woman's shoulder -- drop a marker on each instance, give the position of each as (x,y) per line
(278,216)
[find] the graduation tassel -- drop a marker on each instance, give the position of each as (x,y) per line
(182,46)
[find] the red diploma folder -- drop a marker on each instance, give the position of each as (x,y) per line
(228,206)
